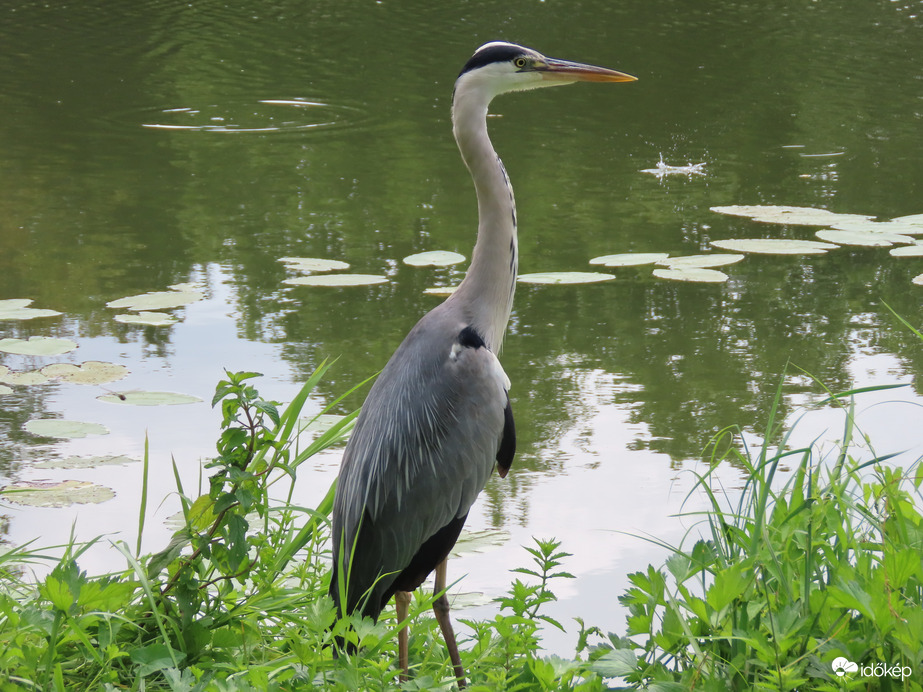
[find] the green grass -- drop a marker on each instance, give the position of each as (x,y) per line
(792,576)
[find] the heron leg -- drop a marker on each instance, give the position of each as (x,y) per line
(441,610)
(402,603)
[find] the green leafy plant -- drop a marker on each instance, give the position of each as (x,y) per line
(795,576)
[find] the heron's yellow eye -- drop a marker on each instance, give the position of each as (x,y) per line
(520,62)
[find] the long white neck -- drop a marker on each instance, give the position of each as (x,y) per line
(486,294)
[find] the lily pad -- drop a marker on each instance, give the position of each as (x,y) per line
(37,346)
(717,259)
(138,397)
(862,238)
(795,216)
(51,494)
(629,259)
(900,227)
(470,542)
(338,280)
(16,309)
(564,278)
(905,251)
(75,462)
(695,274)
(153,319)
(320,423)
(774,246)
(915,219)
(91,372)
(63,429)
(186,286)
(434,258)
(313,264)
(24,378)
(440,290)
(157,300)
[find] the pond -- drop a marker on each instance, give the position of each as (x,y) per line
(150,144)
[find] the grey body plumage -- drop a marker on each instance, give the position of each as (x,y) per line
(438,419)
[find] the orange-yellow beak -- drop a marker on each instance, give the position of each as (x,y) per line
(565,71)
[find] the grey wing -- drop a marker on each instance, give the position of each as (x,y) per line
(429,434)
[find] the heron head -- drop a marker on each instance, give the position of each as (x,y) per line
(499,67)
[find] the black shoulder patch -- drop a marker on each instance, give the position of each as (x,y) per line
(502,52)
(469,338)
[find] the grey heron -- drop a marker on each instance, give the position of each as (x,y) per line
(438,418)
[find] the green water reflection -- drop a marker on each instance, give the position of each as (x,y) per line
(138,149)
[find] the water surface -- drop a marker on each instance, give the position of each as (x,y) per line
(146,144)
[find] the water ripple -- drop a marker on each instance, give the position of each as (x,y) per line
(263,116)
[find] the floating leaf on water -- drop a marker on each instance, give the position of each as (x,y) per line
(434,258)
(905,251)
(862,238)
(564,278)
(914,219)
(37,346)
(52,494)
(695,274)
(889,227)
(152,319)
(796,216)
(186,287)
(918,280)
(464,600)
(338,280)
(629,259)
(479,541)
(718,259)
(156,300)
(76,462)
(774,246)
(313,264)
(320,423)
(63,429)
(91,372)
(16,309)
(440,290)
(138,397)
(24,378)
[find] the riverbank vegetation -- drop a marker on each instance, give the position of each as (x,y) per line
(772,589)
